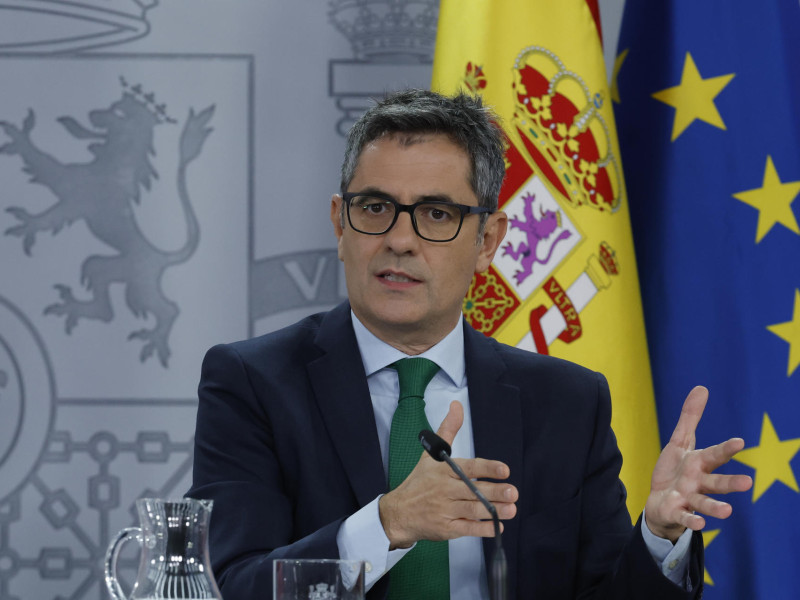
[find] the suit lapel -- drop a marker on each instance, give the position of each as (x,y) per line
(340,387)
(496,429)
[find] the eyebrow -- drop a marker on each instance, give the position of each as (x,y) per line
(443,198)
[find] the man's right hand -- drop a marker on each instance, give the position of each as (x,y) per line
(434,504)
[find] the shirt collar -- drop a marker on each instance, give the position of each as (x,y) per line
(377,354)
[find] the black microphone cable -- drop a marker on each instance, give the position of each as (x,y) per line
(440,450)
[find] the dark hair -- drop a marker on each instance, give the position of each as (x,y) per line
(462,118)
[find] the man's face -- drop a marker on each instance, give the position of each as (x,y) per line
(406,290)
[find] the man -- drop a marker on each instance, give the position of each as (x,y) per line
(296,429)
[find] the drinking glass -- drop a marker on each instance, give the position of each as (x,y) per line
(317,579)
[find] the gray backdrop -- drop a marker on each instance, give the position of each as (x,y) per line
(165,176)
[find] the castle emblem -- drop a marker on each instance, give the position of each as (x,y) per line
(101,193)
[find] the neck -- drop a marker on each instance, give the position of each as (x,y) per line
(409,340)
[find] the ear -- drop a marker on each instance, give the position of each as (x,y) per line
(493,234)
(336,221)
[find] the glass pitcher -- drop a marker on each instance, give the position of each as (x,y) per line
(174,561)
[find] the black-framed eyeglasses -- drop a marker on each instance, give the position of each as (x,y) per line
(433,220)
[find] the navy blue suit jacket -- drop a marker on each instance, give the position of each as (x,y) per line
(286,446)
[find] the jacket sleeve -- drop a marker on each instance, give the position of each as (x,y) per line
(634,574)
(236,466)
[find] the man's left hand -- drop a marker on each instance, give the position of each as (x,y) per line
(683,477)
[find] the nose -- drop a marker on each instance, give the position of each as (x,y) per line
(402,238)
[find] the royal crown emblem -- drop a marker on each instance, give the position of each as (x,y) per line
(561,127)
(388,30)
(148,100)
(69,26)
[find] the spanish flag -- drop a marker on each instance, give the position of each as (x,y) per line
(565,281)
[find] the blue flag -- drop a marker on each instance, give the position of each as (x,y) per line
(708,109)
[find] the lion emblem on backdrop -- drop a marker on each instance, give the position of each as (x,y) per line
(101,193)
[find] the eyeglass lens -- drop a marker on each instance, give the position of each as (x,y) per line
(435,221)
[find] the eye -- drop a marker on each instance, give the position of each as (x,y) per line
(372,206)
(437,213)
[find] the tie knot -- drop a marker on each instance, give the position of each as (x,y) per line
(415,374)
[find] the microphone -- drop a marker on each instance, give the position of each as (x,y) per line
(440,451)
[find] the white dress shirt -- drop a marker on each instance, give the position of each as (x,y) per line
(361,536)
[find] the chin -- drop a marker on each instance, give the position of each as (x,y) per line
(400,320)
(390,317)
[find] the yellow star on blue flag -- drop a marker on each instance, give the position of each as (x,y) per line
(693,98)
(771,460)
(790,332)
(773,200)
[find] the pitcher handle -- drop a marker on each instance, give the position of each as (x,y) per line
(112,555)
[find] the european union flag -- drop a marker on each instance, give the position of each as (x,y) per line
(708,112)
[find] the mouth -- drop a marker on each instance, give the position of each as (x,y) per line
(397,277)
(79,131)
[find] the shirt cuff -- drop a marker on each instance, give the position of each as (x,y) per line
(672,558)
(361,537)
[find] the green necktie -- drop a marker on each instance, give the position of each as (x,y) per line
(425,571)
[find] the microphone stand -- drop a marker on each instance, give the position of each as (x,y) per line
(440,451)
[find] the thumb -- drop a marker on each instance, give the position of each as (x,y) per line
(452,422)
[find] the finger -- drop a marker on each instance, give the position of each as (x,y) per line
(456,489)
(691,521)
(709,506)
(452,422)
(497,492)
(692,410)
(716,456)
(481,468)
(475,510)
(468,527)
(725,484)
